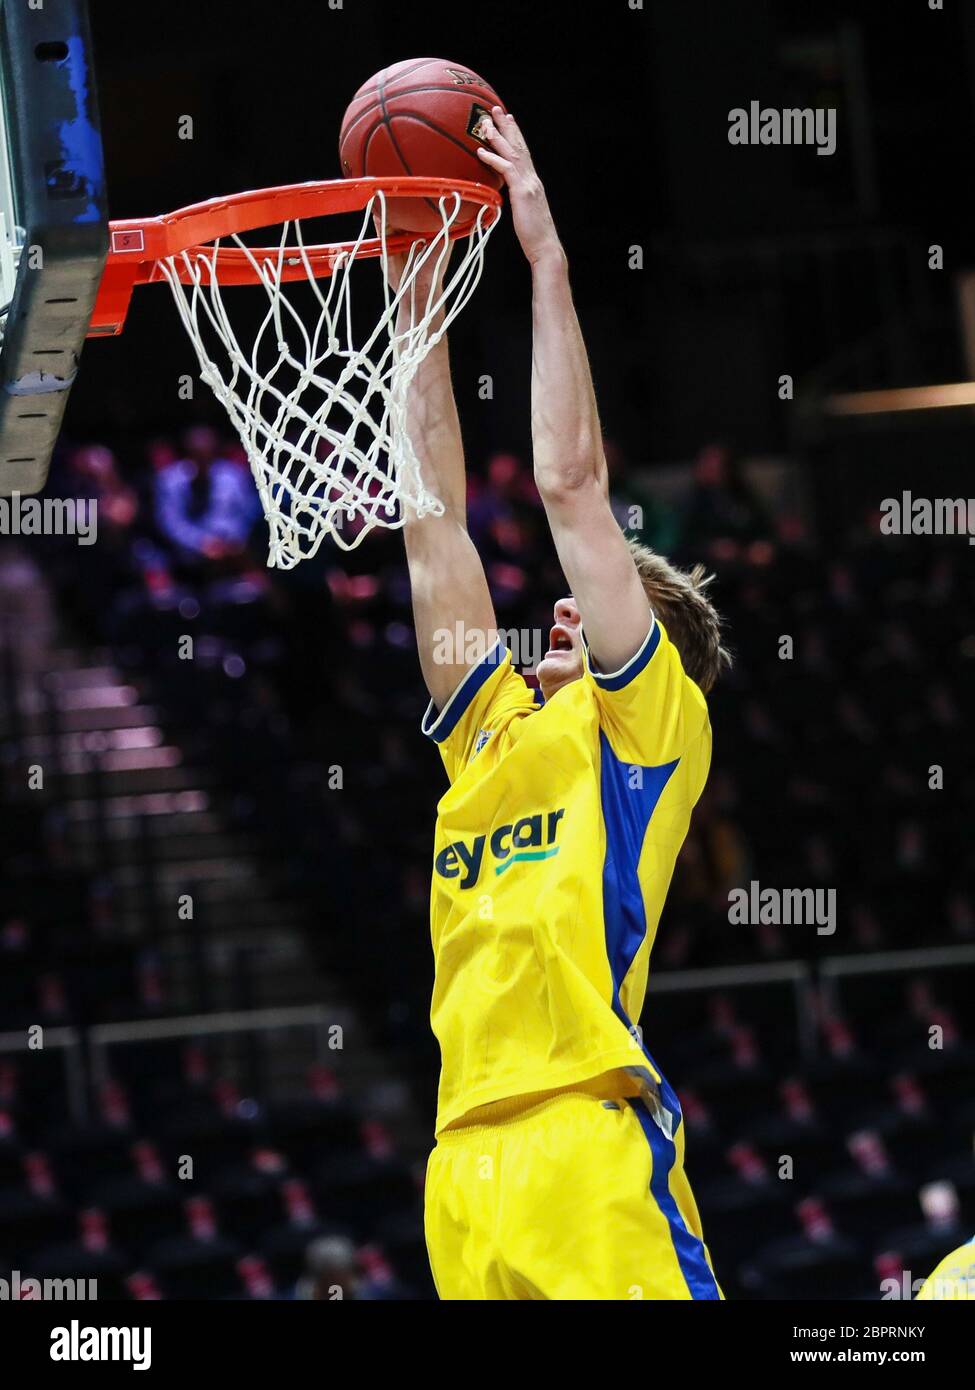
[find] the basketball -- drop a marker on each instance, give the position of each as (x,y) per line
(419,117)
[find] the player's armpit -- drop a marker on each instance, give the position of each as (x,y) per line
(649,709)
(479,709)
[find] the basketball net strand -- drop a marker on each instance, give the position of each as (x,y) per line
(324,422)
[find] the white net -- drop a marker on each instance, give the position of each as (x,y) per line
(323,420)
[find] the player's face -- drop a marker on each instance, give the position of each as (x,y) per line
(562,662)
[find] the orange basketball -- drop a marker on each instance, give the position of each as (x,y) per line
(420,116)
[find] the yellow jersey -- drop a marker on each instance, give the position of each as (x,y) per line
(954,1278)
(554,849)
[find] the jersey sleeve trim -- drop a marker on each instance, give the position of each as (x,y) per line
(439,726)
(616,680)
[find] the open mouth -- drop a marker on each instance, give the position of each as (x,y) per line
(559,641)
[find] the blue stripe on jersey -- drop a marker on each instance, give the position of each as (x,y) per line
(627,811)
(440,726)
(626,814)
(616,680)
(688,1249)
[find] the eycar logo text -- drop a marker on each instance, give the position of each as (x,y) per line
(531,838)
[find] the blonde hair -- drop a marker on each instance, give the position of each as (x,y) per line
(680,600)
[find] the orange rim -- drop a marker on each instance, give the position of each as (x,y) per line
(138,244)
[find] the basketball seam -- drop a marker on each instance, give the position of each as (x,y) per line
(407,92)
(367,142)
(432,125)
(389,126)
(401,76)
(347,130)
(418,63)
(386,120)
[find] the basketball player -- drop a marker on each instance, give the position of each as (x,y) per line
(558,1170)
(954,1278)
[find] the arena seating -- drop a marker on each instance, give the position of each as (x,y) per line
(280,780)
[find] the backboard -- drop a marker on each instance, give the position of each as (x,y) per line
(54,233)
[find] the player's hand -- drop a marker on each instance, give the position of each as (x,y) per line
(530,212)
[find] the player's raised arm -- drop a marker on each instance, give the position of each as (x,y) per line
(570,466)
(449,588)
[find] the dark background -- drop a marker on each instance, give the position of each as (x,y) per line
(758,260)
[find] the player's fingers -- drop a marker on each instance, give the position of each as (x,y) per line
(495,138)
(496,161)
(510,129)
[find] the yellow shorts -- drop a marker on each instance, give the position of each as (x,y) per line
(574,1196)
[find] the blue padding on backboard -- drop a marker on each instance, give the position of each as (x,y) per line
(58,172)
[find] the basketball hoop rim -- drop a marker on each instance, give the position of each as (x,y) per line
(302,376)
(193,227)
(138,244)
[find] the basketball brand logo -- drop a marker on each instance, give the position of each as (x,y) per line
(475,125)
(462,78)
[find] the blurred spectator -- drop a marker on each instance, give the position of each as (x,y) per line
(723,515)
(205,502)
(637,508)
(94,474)
(496,504)
(331,1270)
